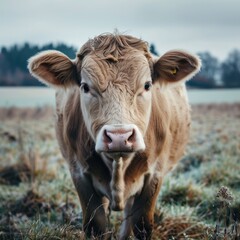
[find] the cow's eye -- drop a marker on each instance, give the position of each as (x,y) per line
(85,88)
(147,86)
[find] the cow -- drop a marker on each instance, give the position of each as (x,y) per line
(122,123)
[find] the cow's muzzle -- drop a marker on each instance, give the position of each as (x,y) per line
(119,138)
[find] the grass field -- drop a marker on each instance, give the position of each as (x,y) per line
(200,199)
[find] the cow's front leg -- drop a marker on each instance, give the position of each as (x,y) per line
(143,208)
(94,216)
(126,226)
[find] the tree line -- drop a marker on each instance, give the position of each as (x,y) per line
(214,74)
(13,63)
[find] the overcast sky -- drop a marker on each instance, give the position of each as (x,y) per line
(194,25)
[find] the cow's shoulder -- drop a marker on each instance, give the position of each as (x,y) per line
(168,129)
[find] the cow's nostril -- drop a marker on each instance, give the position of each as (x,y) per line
(132,137)
(107,138)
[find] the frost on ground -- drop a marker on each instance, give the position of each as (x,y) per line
(200,199)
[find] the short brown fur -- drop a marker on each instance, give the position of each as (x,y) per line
(117,66)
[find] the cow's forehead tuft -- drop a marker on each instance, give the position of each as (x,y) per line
(113,46)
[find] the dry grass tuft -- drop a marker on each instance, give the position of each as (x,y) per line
(9,230)
(182,194)
(15,174)
(179,228)
(31,204)
(14,113)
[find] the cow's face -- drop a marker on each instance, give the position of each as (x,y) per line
(115,90)
(116,102)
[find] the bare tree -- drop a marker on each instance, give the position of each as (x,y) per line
(231,70)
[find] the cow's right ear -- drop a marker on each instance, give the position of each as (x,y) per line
(53,68)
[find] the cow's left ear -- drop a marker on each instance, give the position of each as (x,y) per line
(53,68)
(175,67)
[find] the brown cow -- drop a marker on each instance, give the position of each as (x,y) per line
(122,122)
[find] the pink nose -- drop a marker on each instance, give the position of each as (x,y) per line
(119,140)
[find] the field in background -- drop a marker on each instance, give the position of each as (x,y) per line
(200,199)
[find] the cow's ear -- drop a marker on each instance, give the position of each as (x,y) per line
(175,67)
(53,68)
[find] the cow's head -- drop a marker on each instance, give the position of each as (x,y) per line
(115,74)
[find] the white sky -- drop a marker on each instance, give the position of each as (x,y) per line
(193,25)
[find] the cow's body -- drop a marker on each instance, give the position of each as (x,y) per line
(119,136)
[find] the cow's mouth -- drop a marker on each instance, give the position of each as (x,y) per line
(113,156)
(119,139)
